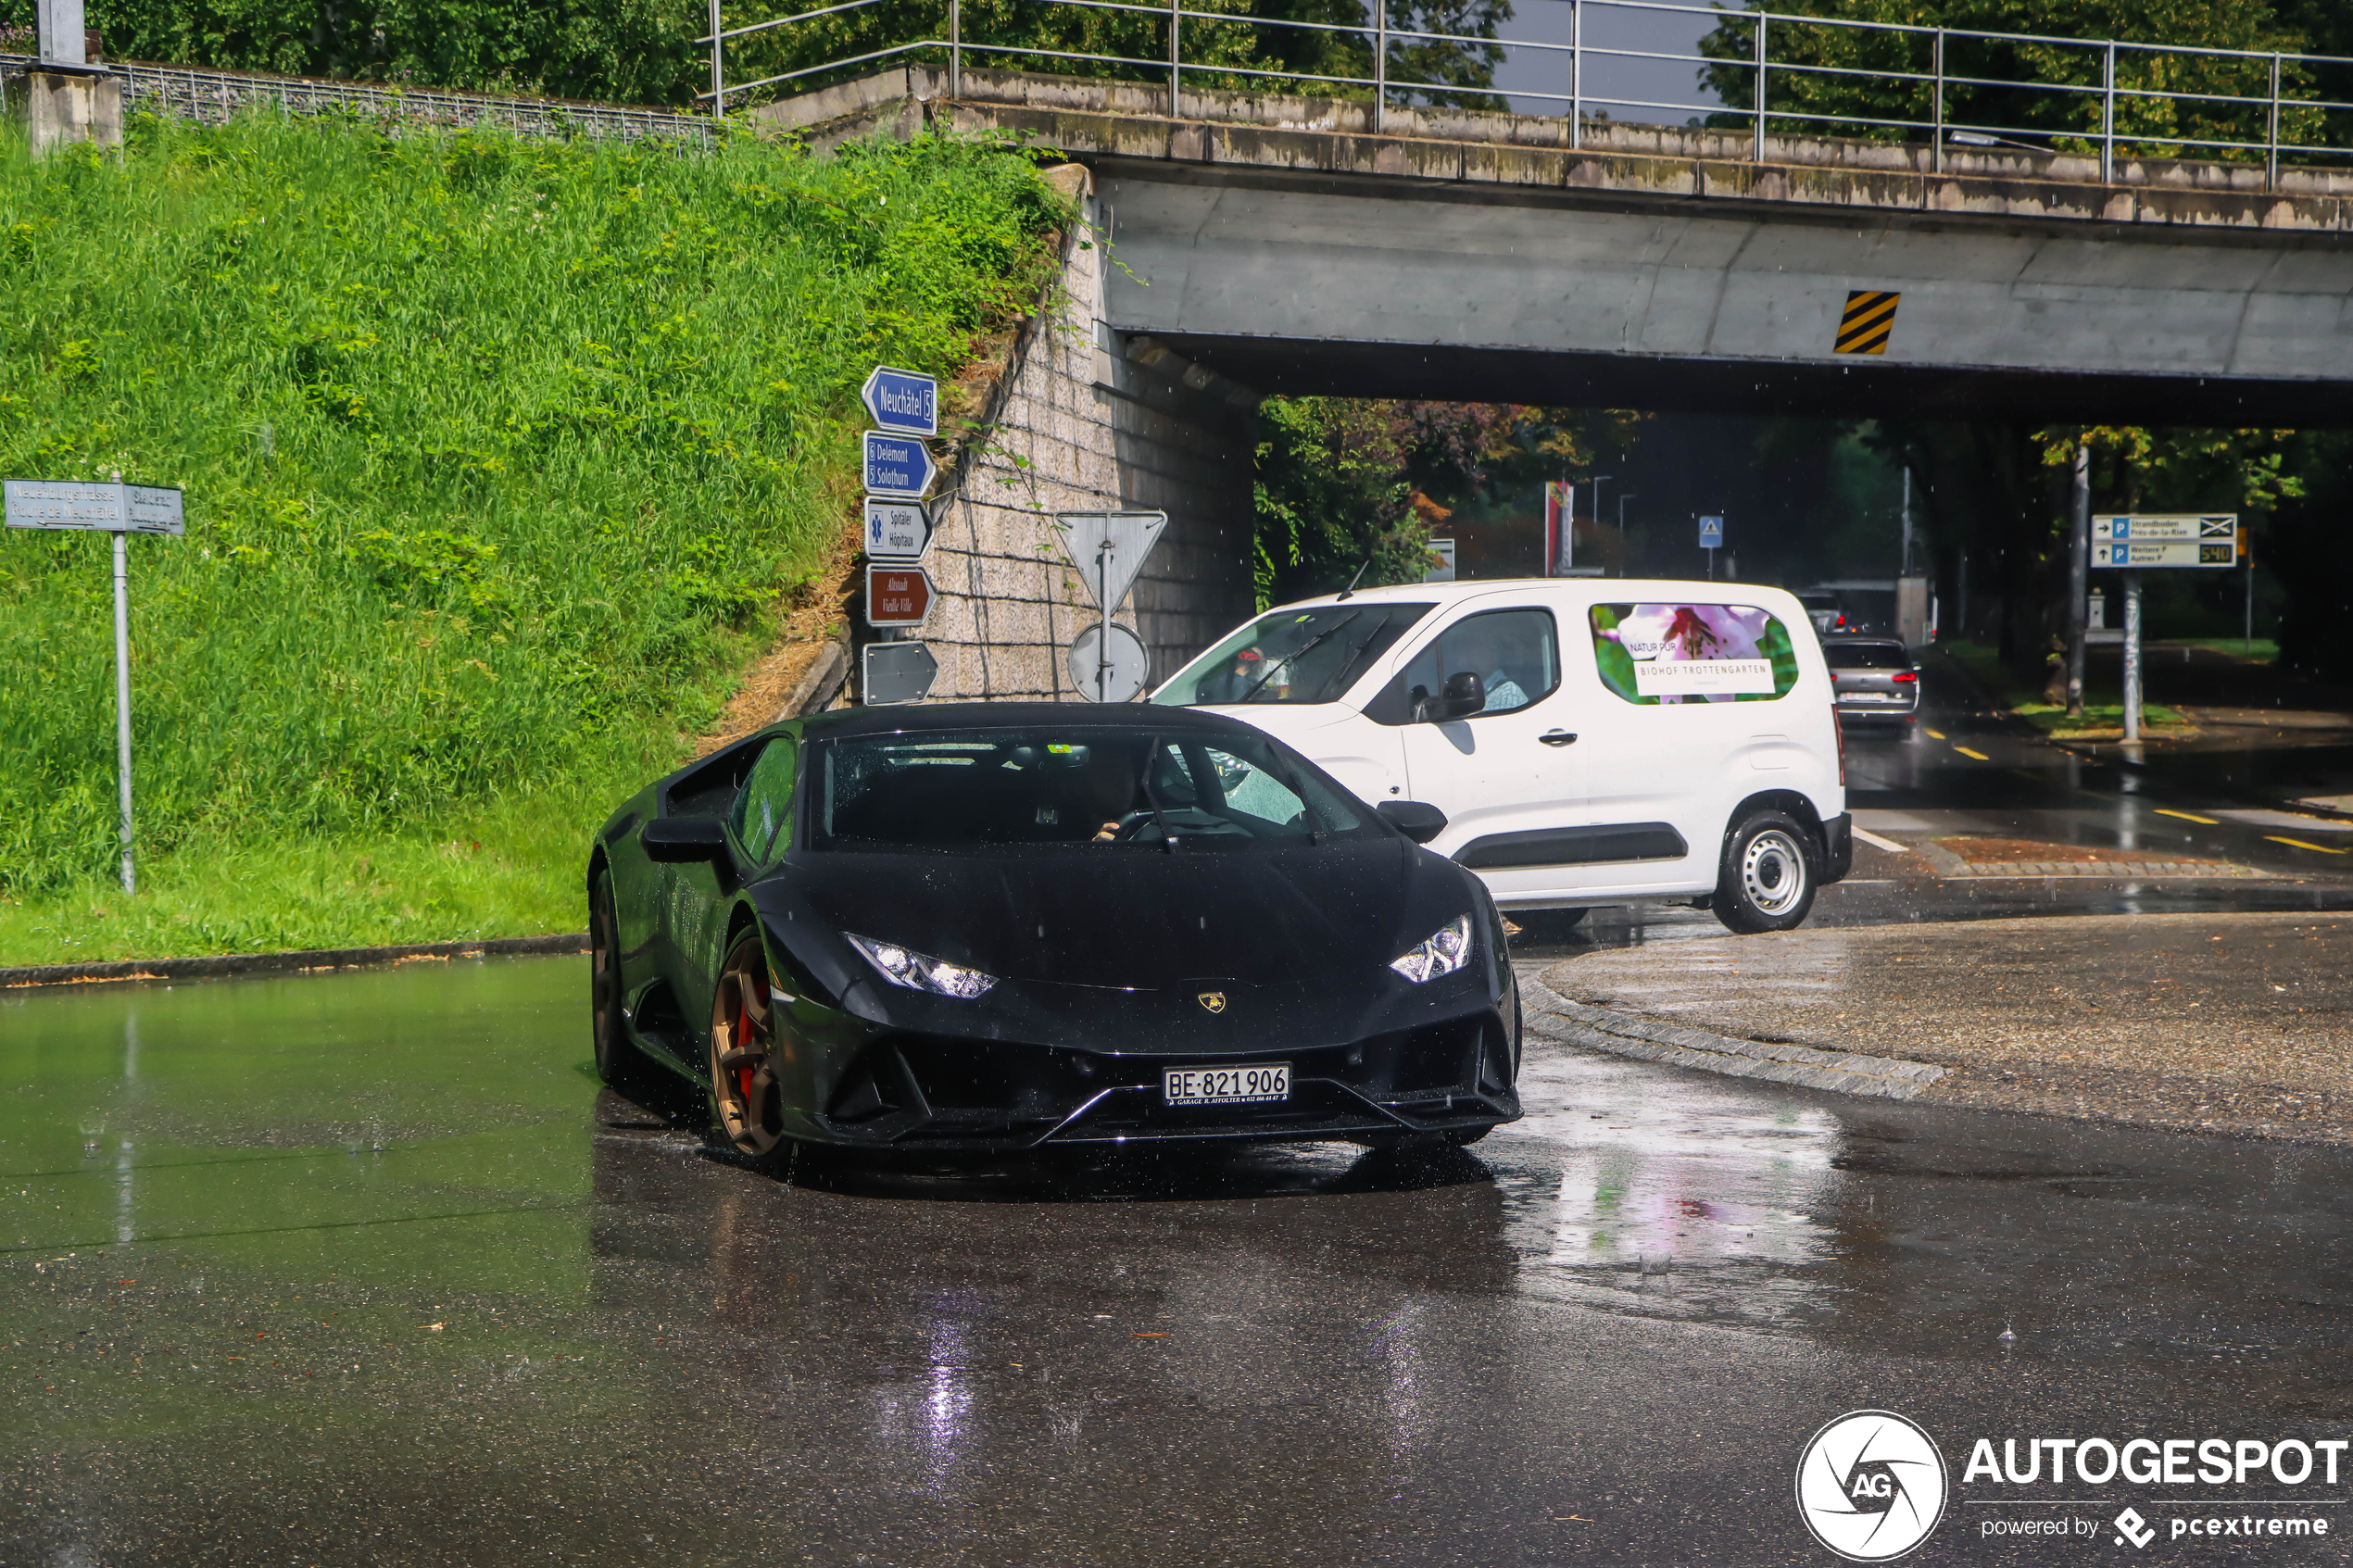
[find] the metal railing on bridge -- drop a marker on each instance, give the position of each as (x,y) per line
(195,93)
(1771,71)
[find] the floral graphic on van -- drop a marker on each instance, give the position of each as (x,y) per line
(1662,653)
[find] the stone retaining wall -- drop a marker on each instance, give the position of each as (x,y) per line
(1084,421)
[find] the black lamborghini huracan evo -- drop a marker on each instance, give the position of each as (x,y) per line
(999,926)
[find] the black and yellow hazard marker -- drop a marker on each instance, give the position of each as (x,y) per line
(1870,316)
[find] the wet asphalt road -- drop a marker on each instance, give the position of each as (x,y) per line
(367,1269)
(364,1269)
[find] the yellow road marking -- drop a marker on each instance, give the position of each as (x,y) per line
(2300,844)
(1937,734)
(2188,817)
(1966,752)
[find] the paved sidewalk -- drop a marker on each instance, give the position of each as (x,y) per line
(2227,1022)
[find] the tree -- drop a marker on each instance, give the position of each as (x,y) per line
(1809,65)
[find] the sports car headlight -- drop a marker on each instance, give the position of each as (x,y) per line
(1447,950)
(920,971)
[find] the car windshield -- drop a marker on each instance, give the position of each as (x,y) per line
(1102,788)
(1867,655)
(1292,656)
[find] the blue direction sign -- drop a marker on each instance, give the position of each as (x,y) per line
(902,400)
(898,466)
(1711,533)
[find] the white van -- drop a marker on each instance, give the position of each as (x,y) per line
(1590,740)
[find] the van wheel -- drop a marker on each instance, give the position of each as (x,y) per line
(1769,874)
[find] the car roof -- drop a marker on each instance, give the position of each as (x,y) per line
(1599,590)
(1856,642)
(921,717)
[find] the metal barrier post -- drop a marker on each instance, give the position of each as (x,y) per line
(1380,66)
(1576,73)
(2271,141)
(2108,116)
(1175,68)
(1937,161)
(1760,89)
(955,48)
(718,82)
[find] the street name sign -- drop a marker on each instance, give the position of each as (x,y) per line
(896,530)
(119,509)
(902,400)
(893,672)
(897,595)
(898,466)
(2171,539)
(113,508)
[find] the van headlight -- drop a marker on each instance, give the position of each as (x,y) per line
(1446,950)
(921,971)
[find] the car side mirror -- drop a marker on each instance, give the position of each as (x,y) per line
(681,840)
(1466,694)
(1417,820)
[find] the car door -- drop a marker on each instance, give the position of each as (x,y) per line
(1689,718)
(1510,777)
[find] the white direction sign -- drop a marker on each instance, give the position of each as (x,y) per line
(1109,548)
(898,466)
(2170,539)
(113,508)
(895,672)
(896,530)
(1116,678)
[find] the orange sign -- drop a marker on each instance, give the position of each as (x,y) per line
(897,595)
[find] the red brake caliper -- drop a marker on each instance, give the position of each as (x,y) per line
(743,1074)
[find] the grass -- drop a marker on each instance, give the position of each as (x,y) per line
(500,458)
(2103,709)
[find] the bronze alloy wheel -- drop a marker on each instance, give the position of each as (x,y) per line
(743,1079)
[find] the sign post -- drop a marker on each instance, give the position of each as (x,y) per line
(1109,550)
(1711,539)
(899,469)
(119,509)
(2161,541)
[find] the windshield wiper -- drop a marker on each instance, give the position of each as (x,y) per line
(1296,654)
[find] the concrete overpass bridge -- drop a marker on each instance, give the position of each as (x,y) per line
(1280,243)
(1266,245)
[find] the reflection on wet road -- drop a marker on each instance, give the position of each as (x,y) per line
(365,1268)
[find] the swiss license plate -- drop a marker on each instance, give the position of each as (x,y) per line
(1226,1086)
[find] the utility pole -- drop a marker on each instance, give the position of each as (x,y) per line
(2079,585)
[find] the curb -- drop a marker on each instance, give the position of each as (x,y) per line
(220,964)
(1557,1018)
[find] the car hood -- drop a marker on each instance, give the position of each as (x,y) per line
(1138,919)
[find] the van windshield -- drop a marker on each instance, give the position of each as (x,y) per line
(1312,655)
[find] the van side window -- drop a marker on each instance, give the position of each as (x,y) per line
(762,817)
(1677,653)
(1514,652)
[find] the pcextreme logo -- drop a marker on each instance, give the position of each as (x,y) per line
(1871,1486)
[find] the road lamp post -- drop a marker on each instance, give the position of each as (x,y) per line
(1629,496)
